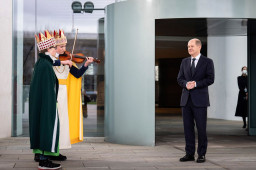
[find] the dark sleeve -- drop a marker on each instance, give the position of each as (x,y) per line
(78,72)
(181,78)
(209,77)
(56,63)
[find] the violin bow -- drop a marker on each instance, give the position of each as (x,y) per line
(74,44)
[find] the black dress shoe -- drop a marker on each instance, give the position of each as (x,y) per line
(37,157)
(187,157)
(57,158)
(200,159)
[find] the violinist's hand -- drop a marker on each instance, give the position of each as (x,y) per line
(89,61)
(67,62)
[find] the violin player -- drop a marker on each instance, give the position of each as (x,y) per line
(69,98)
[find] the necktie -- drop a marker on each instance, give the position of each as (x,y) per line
(193,67)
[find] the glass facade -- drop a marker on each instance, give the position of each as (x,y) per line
(33,16)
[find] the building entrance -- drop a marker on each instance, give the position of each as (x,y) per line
(224,41)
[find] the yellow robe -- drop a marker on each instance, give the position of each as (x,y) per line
(75,112)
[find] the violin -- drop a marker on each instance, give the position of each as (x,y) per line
(77,58)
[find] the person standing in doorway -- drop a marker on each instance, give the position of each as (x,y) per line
(241,108)
(195,75)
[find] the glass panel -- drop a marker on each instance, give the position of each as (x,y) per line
(29,57)
(30,17)
(17,68)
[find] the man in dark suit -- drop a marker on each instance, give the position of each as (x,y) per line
(195,75)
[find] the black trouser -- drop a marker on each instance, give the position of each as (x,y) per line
(198,115)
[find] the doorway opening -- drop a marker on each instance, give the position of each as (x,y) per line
(223,40)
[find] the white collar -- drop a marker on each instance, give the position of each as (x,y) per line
(197,57)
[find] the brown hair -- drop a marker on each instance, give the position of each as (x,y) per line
(243,68)
(43,51)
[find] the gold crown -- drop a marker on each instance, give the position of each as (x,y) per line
(45,40)
(60,37)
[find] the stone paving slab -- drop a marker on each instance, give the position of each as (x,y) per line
(26,164)
(72,163)
(9,165)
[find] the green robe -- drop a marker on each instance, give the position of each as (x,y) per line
(43,116)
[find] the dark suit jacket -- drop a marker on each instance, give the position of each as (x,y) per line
(203,76)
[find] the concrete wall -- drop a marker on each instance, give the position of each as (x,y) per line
(6,68)
(229,54)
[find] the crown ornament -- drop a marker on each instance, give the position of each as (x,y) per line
(45,40)
(60,37)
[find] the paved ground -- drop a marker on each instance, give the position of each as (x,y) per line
(229,148)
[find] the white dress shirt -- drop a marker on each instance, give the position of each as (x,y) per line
(197,58)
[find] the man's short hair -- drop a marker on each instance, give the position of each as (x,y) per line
(198,42)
